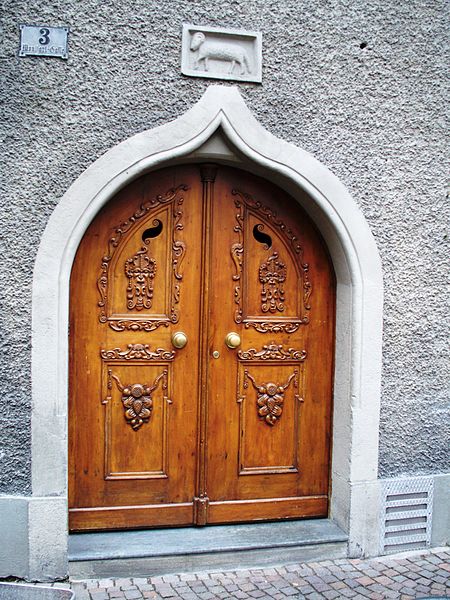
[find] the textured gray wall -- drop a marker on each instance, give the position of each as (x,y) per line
(373,115)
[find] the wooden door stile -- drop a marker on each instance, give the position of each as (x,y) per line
(208,175)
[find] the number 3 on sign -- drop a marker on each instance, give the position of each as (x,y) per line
(44,40)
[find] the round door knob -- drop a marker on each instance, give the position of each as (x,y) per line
(179,339)
(233,340)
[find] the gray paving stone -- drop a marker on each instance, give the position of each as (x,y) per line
(148,587)
(225,580)
(117,582)
(351,583)
(132,595)
(305,589)
(171,578)
(188,577)
(331,594)
(321,587)
(198,588)
(95,595)
(362,591)
(247,587)
(202,575)
(167,593)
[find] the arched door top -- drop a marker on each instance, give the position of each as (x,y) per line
(359,295)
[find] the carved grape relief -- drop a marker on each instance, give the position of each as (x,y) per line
(137,399)
(270,396)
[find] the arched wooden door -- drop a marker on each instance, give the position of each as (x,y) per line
(160,435)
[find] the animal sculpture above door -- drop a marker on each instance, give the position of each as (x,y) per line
(201,355)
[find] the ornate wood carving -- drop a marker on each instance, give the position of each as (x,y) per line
(272,275)
(272,352)
(133,325)
(139,298)
(270,398)
(140,270)
(245,202)
(137,399)
(137,352)
(237,254)
(274,327)
(178,252)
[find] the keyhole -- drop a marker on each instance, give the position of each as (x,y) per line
(152,232)
(261,237)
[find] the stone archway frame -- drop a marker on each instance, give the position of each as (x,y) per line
(354,498)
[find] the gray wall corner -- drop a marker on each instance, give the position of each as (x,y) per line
(48,539)
(14,536)
(364,519)
(440,531)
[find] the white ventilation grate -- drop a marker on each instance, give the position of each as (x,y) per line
(406,509)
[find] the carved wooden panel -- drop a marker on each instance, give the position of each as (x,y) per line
(140,278)
(136,400)
(269,395)
(276,260)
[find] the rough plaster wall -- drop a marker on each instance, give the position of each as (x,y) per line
(373,115)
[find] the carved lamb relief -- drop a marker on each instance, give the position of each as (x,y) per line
(221,53)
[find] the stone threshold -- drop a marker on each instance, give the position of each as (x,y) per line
(162,551)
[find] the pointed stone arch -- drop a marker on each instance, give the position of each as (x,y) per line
(220,128)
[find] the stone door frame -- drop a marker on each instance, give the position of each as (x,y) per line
(220,128)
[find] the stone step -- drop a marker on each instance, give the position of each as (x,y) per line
(162,551)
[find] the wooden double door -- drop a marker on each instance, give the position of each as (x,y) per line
(235,425)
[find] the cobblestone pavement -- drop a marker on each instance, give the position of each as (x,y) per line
(402,576)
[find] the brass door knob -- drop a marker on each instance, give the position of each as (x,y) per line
(233,340)
(179,339)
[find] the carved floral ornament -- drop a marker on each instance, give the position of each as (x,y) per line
(141,269)
(272,352)
(272,273)
(137,352)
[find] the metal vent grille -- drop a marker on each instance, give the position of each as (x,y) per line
(406,509)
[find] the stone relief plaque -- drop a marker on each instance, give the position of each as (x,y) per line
(229,54)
